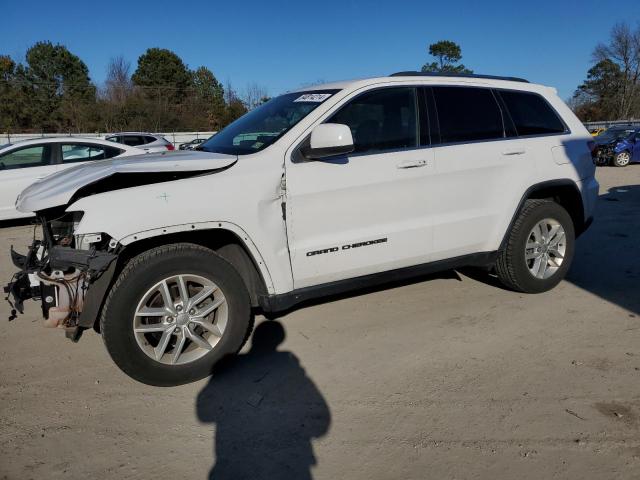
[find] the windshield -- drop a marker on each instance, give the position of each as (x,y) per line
(261,127)
(614,134)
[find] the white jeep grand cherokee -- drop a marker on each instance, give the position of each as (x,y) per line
(318,191)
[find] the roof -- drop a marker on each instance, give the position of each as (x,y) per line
(430,78)
(132,133)
(66,139)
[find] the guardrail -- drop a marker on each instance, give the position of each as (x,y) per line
(177,138)
(611,123)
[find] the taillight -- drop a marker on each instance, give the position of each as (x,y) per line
(594,151)
(170,146)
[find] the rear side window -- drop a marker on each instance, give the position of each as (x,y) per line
(531,113)
(384,119)
(148,139)
(83,152)
(467,114)
(36,156)
(133,140)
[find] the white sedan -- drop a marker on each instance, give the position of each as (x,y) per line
(28,161)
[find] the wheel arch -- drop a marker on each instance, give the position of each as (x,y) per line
(565,192)
(233,246)
(228,240)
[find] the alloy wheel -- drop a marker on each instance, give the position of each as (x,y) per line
(180,319)
(545,248)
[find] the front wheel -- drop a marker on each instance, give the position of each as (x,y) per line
(622,159)
(539,248)
(173,312)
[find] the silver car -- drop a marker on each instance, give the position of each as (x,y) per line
(149,142)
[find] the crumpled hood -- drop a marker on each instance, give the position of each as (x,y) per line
(57,189)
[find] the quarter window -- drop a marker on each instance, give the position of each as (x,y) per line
(37,156)
(531,114)
(384,119)
(83,153)
(467,114)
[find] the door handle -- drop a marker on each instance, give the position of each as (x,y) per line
(514,151)
(413,164)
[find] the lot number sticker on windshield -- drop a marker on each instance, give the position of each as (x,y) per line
(313,97)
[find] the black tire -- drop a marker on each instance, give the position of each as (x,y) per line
(140,274)
(618,162)
(511,266)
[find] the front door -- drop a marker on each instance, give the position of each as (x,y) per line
(368,211)
(19,168)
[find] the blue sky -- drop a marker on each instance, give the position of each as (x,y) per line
(282,45)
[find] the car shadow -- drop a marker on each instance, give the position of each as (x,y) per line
(266,412)
(607,262)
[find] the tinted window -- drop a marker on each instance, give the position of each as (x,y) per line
(84,153)
(133,140)
(148,139)
(467,114)
(384,119)
(531,114)
(26,157)
(113,139)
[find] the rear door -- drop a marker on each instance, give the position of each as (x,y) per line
(480,168)
(368,211)
(19,168)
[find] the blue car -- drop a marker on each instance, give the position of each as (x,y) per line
(618,146)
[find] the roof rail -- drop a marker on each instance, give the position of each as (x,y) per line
(463,75)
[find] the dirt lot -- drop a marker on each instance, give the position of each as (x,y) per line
(448,377)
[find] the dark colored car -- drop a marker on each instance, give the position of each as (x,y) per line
(618,146)
(192,144)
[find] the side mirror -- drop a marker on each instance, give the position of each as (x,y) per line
(329,139)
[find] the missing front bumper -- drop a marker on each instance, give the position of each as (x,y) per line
(63,279)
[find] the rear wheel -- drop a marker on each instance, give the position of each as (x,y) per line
(539,248)
(173,312)
(622,159)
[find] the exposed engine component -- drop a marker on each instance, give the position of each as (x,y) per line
(58,273)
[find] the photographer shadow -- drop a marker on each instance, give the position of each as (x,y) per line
(266,410)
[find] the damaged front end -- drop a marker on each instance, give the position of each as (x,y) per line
(67,273)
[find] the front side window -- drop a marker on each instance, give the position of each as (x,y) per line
(261,127)
(384,119)
(36,156)
(83,153)
(531,114)
(467,114)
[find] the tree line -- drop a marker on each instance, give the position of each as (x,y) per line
(611,90)
(52,92)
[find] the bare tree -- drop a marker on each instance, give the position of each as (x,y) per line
(624,50)
(118,86)
(254,95)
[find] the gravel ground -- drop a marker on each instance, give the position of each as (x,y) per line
(448,377)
